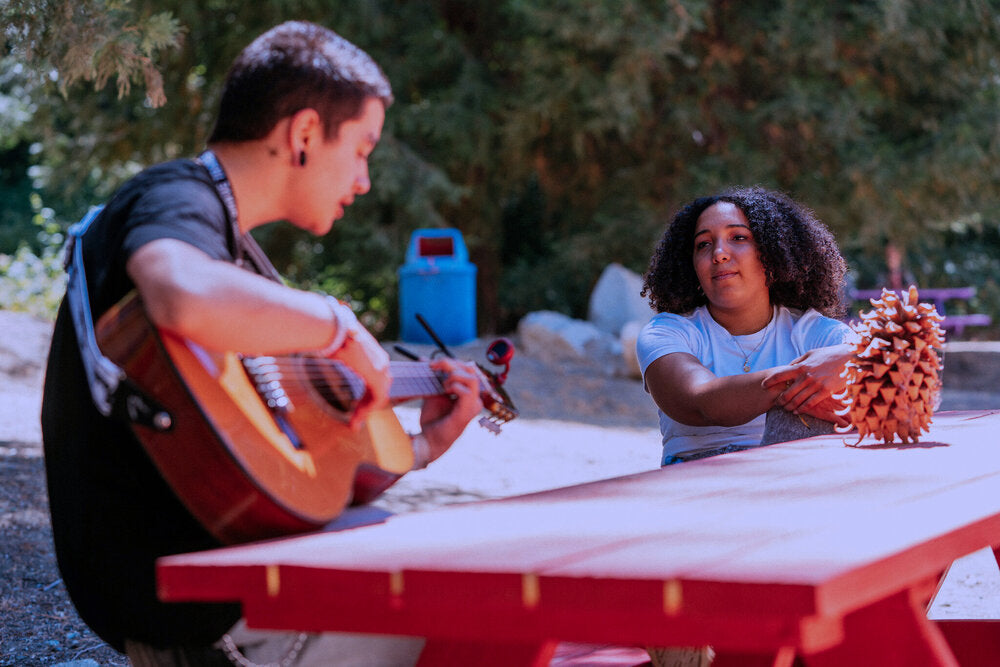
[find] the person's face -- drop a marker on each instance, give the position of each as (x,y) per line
(726,259)
(337,170)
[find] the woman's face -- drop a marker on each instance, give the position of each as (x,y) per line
(726,259)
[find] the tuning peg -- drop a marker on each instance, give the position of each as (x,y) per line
(499,353)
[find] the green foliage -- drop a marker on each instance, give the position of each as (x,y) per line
(91,40)
(30,282)
(560,135)
(15,189)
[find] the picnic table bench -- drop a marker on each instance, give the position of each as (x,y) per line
(808,550)
(939,296)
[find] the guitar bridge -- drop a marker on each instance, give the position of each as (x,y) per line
(266,378)
(265,375)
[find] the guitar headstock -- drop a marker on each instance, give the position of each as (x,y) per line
(495,400)
(491,392)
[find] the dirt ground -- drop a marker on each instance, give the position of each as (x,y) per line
(575,425)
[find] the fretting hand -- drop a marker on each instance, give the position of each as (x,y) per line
(444,417)
(363,354)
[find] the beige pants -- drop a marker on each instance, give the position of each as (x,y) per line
(285,649)
(681,657)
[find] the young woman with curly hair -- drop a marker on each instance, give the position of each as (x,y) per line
(746,284)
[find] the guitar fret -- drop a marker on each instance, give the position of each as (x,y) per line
(413,378)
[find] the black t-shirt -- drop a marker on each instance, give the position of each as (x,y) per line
(112,512)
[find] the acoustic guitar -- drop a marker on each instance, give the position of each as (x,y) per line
(258,447)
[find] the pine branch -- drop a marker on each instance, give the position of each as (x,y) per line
(93,41)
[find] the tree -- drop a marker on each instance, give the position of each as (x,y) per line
(560,135)
(91,40)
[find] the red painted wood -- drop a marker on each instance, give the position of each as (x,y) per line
(810,545)
(893,632)
(975,643)
(784,657)
(485,654)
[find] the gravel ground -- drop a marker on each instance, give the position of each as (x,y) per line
(575,425)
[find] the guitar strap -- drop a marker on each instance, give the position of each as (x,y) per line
(112,392)
(244,245)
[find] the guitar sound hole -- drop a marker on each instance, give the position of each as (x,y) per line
(339,387)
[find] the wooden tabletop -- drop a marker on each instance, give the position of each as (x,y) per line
(752,551)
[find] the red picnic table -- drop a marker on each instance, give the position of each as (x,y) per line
(808,550)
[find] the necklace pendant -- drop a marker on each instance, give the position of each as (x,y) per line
(746,365)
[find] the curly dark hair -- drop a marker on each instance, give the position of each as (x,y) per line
(803,263)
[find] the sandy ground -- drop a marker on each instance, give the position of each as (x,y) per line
(575,426)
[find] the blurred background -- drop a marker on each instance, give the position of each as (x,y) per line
(557,135)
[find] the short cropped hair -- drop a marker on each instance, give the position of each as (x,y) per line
(293,66)
(803,264)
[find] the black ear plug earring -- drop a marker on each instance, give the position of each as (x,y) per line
(302,158)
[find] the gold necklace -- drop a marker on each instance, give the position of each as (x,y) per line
(746,355)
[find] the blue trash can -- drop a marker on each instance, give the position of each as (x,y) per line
(437,282)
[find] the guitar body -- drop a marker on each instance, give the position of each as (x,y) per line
(245,469)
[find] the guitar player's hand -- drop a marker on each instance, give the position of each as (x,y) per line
(444,417)
(363,354)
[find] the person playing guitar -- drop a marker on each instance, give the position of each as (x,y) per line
(301,111)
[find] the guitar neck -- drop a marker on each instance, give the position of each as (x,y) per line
(413,379)
(334,382)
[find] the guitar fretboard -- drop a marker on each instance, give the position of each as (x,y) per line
(412,379)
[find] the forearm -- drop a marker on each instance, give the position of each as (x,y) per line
(265,318)
(811,379)
(731,400)
(691,394)
(221,306)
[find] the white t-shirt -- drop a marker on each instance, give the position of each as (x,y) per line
(789,335)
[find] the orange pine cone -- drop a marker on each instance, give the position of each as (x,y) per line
(892,382)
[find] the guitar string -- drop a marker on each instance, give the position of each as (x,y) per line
(312,369)
(415,378)
(410,378)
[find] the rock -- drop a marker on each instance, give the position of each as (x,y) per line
(628,338)
(616,300)
(24,344)
(554,337)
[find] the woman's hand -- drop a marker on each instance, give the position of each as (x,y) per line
(811,381)
(827,411)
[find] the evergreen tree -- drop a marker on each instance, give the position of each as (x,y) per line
(560,135)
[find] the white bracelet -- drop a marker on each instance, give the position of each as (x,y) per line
(421,451)
(346,322)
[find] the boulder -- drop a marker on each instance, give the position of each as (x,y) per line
(628,338)
(554,337)
(24,345)
(616,301)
